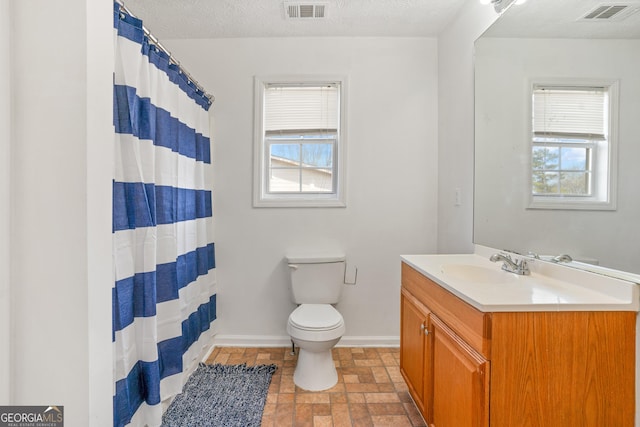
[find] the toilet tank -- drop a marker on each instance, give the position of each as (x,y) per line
(316,279)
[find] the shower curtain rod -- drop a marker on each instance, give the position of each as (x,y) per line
(159,45)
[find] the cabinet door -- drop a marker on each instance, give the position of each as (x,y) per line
(413,324)
(460,381)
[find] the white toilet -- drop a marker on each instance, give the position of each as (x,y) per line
(316,326)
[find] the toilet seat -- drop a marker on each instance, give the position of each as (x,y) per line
(315,323)
(316,317)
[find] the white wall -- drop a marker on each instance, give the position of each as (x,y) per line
(391,179)
(60,207)
(5,141)
(99,173)
(48,238)
(456,126)
(506,67)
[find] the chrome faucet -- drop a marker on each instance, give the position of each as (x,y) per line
(517,267)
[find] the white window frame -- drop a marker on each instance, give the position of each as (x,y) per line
(263,198)
(604,182)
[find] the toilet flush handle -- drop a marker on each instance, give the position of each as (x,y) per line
(293,266)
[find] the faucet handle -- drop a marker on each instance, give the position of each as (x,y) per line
(562,258)
(523,267)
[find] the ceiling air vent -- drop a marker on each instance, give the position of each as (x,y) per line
(609,12)
(304,10)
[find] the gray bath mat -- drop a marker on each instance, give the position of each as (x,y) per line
(221,395)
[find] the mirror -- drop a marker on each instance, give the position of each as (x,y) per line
(547,39)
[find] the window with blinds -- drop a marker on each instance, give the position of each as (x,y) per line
(299,143)
(571,149)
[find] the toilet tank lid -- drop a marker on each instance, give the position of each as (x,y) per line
(315,258)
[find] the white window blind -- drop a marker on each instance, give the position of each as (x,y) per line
(570,113)
(303,110)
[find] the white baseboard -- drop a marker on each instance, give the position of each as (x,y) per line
(285,341)
(251,341)
(368,341)
(208,351)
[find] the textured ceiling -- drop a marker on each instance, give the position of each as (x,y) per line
(192,19)
(561,19)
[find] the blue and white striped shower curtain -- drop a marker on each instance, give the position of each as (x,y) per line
(164,298)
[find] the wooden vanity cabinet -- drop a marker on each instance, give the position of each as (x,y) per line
(447,378)
(415,351)
(464,367)
(460,391)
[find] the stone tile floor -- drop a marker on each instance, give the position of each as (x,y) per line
(370,390)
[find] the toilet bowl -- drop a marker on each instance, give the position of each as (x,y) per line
(315,329)
(315,326)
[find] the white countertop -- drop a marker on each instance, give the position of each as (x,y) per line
(549,287)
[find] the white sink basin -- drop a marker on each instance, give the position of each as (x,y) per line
(478,274)
(549,287)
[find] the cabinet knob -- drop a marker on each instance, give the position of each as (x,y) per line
(424,328)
